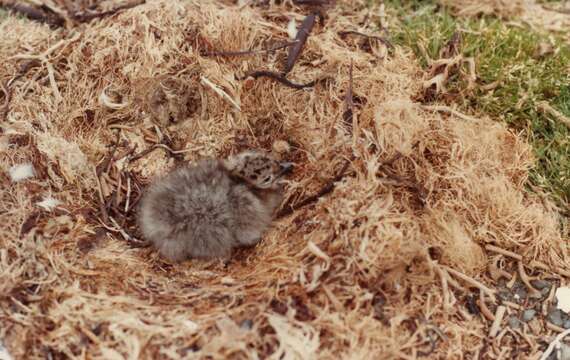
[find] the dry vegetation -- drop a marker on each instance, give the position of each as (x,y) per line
(401,259)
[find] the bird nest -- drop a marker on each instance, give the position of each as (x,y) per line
(402,224)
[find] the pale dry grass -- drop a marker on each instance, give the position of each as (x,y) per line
(546,17)
(355,276)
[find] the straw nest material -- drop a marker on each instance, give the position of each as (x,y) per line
(381,266)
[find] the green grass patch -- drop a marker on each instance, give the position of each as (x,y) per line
(505,53)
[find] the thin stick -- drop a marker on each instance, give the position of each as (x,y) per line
(36,14)
(471,281)
(130,239)
(300,40)
(555,343)
(278,77)
(90,16)
(119,193)
(128,192)
(447,109)
(106,165)
(224,95)
(52,81)
(543,266)
(545,107)
(379,38)
(498,250)
(551,326)
(157,146)
(7,97)
(443,275)
(327,188)
(499,314)
(525,278)
(512,305)
(102,206)
(483,305)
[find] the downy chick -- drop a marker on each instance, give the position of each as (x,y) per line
(207,209)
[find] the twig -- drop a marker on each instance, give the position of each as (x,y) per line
(50,8)
(7,97)
(43,57)
(561,11)
(249,52)
(397,156)
(128,196)
(275,76)
(483,305)
(89,334)
(119,193)
(326,189)
(224,95)
(38,15)
(102,207)
(53,83)
(391,160)
(551,326)
(452,47)
(129,238)
(300,40)
(543,266)
(499,314)
(546,108)
(86,17)
(495,272)
(512,305)
(498,250)
(379,38)
(554,344)
(447,109)
(106,164)
(525,278)
(443,275)
(154,147)
(471,281)
(433,341)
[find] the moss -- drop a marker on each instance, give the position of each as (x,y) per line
(507,54)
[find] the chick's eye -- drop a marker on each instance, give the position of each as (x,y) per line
(267,179)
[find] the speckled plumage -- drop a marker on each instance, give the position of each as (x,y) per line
(206,209)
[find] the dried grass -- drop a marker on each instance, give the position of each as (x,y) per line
(357,275)
(540,17)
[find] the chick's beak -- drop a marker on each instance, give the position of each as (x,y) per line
(285,168)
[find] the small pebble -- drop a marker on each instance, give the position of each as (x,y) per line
(536,295)
(247,324)
(520,292)
(528,315)
(514,323)
(545,291)
(541,284)
(555,317)
(505,295)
